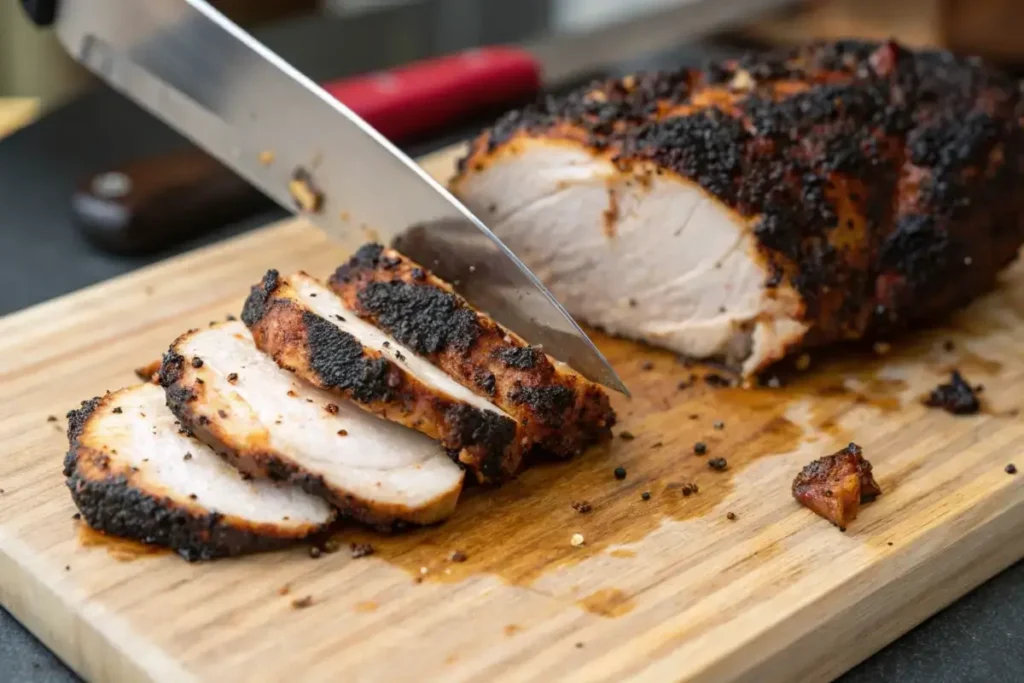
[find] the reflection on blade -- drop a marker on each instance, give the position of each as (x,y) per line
(190,66)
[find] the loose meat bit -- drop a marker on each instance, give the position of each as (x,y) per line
(307,196)
(834,486)
(957,397)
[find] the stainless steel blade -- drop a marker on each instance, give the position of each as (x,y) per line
(192,67)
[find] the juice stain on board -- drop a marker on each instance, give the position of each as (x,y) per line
(524,528)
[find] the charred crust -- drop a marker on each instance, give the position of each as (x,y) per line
(486,433)
(256,304)
(427,319)
(519,357)
(549,403)
(485,380)
(339,361)
(114,506)
(79,416)
(367,257)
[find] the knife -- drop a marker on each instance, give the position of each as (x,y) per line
(189,65)
(152,203)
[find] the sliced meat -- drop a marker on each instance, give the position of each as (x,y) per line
(557,409)
(307,329)
(763,205)
(834,486)
(133,472)
(271,424)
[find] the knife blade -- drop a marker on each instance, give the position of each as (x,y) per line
(189,65)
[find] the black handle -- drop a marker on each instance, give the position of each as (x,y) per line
(40,11)
(150,204)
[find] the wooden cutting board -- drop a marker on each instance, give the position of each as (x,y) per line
(669,588)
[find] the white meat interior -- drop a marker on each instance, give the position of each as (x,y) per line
(145,435)
(659,260)
(366,456)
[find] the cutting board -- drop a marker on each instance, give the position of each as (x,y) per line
(733,582)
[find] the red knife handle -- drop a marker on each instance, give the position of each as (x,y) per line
(409,101)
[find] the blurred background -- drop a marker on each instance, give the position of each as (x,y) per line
(381,33)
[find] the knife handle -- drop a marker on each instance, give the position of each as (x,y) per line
(150,204)
(412,100)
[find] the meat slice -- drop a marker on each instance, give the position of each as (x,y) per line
(133,472)
(307,329)
(557,409)
(270,424)
(834,486)
(763,205)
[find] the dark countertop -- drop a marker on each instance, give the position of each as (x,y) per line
(979,638)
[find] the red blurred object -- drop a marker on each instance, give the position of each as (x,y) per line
(408,101)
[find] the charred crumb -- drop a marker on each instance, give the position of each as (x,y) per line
(308,197)
(342,432)
(315,552)
(331,408)
(77,516)
(222,414)
(689,489)
(646,495)
(232,377)
(117,411)
(581,506)
(197,362)
(957,396)
(51,418)
(718,464)
(230,318)
(361,550)
(303,602)
(1010,469)
(700,448)
(620,473)
(458,556)
(626,435)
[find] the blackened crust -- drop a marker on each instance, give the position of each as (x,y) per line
(256,305)
(882,182)
(316,350)
(340,362)
(112,505)
(558,410)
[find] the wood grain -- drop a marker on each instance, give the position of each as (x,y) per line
(663,589)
